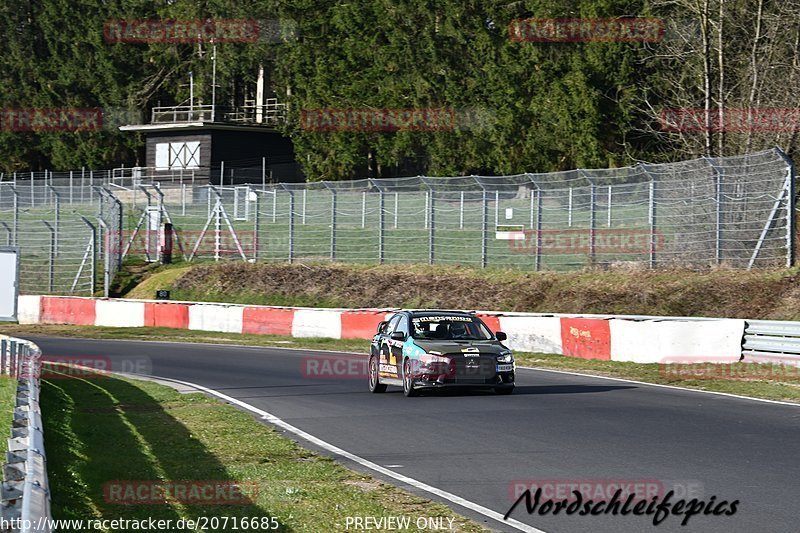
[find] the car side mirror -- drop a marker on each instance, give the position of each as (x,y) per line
(500,336)
(398,336)
(380,326)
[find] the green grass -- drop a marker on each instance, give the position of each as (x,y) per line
(772,389)
(101,428)
(8,393)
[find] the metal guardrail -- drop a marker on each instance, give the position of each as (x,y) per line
(25,492)
(771,339)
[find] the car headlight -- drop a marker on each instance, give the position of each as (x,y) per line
(505,357)
(431,358)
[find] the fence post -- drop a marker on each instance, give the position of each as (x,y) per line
(569,208)
(608,223)
(16,215)
(431,228)
(496,208)
(652,217)
(70,188)
(51,271)
(461,212)
(427,207)
(256,224)
(381,223)
(363,209)
(396,207)
(717,211)
(274,206)
(592,222)
(305,198)
(538,260)
(790,208)
(291,225)
(57,214)
(333,223)
(8,233)
(484,229)
(91,256)
(33,204)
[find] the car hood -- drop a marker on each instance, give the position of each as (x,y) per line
(452,346)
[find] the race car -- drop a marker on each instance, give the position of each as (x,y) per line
(420,350)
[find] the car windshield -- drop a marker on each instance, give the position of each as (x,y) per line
(449,327)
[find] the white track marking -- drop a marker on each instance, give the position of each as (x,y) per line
(272,419)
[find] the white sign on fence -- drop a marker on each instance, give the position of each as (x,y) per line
(9,282)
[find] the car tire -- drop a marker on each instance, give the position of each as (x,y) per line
(375,386)
(408,386)
(503,390)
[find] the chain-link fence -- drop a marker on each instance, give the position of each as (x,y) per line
(732,212)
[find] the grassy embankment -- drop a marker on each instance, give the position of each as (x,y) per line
(101,429)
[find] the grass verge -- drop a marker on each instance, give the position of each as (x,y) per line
(757,381)
(8,393)
(103,429)
(757,294)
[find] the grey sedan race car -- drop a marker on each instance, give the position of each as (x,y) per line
(420,350)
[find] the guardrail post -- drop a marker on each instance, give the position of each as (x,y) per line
(12,358)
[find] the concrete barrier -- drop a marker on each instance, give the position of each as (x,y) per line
(216,317)
(618,338)
(119,313)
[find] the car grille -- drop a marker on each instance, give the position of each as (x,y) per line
(481,370)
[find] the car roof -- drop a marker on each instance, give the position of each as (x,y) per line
(434,312)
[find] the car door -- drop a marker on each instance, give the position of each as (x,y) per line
(396,358)
(388,366)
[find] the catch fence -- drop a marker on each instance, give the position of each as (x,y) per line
(733,212)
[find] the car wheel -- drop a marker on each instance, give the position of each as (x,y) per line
(408,385)
(504,390)
(374,384)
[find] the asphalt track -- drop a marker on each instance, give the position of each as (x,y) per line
(556,427)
